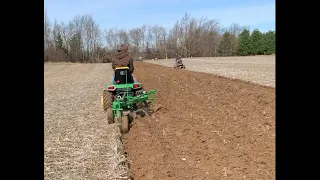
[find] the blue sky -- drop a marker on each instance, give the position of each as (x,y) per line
(128,14)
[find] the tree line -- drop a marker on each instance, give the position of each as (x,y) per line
(82,40)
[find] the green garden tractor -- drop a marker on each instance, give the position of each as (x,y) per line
(124,97)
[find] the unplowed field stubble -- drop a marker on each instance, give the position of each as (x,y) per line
(256,69)
(207,127)
(78,142)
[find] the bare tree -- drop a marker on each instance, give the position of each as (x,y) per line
(66,33)
(235,29)
(143,36)
(123,37)
(173,41)
(160,35)
(111,36)
(80,40)
(55,31)
(210,38)
(91,36)
(136,38)
(47,31)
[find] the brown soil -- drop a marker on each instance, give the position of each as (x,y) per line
(208,127)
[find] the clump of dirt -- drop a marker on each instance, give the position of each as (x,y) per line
(208,127)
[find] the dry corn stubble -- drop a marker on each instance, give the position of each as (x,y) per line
(78,142)
(256,69)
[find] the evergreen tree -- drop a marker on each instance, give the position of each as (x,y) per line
(257,42)
(244,43)
(60,42)
(269,43)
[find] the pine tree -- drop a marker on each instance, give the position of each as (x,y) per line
(60,42)
(269,43)
(244,43)
(257,42)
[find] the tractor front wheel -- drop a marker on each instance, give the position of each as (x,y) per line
(106,100)
(124,124)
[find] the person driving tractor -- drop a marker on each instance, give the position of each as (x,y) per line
(122,58)
(176,60)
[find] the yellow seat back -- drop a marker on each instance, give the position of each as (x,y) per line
(123,67)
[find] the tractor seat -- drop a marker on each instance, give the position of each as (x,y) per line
(123,76)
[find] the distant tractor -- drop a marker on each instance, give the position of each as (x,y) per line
(179,64)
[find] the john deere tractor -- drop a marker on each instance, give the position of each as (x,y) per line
(124,97)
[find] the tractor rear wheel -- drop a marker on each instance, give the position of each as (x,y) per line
(110,117)
(124,124)
(106,100)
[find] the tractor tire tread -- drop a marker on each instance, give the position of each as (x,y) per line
(107,100)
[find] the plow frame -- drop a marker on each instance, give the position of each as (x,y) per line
(127,101)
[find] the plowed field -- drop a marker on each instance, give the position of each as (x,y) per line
(207,127)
